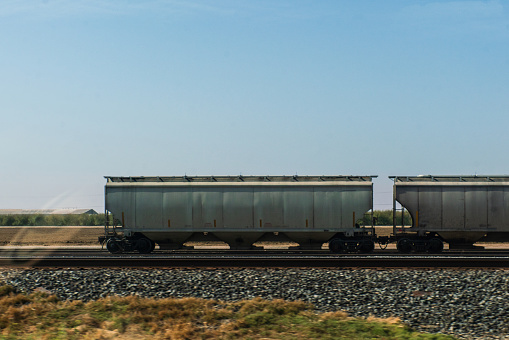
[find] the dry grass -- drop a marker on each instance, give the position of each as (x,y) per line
(42,316)
(50,236)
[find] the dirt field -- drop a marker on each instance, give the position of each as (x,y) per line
(70,236)
(87,236)
(50,236)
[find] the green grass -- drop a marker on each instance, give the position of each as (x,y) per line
(42,316)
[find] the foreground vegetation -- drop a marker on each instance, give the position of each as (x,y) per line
(42,316)
(381,217)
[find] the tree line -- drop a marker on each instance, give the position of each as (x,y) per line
(39,220)
(384,217)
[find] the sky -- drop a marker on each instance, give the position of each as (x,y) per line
(169,88)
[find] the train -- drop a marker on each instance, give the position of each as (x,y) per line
(171,212)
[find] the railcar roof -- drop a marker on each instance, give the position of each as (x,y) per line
(211,179)
(441,178)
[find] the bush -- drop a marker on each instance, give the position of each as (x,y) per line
(384,217)
(6,290)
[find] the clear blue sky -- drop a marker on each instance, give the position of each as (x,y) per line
(94,88)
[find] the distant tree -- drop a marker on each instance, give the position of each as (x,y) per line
(384,217)
(52,220)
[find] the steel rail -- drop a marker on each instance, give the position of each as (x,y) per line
(97,252)
(330,262)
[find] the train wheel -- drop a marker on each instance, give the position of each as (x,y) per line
(113,246)
(336,246)
(404,245)
(435,245)
(366,246)
(144,245)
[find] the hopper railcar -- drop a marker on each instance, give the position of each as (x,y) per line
(240,211)
(459,210)
(307,210)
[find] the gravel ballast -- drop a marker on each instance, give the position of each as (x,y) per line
(467,303)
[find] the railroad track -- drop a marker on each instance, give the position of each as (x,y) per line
(85,250)
(94,258)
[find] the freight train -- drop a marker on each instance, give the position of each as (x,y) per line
(307,210)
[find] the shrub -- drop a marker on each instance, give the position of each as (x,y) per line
(384,218)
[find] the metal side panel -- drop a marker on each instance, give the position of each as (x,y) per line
(506,209)
(238,208)
(354,203)
(429,212)
(505,226)
(327,208)
(476,208)
(453,208)
(497,211)
(121,200)
(268,207)
(408,197)
(298,207)
(177,209)
(208,208)
(149,208)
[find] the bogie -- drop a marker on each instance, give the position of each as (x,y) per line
(138,243)
(144,245)
(419,245)
(404,245)
(350,245)
(114,246)
(435,245)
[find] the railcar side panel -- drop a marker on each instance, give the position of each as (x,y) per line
(410,196)
(148,207)
(177,209)
(496,207)
(430,208)
(453,208)
(354,203)
(121,203)
(476,208)
(238,205)
(298,207)
(269,207)
(207,208)
(327,208)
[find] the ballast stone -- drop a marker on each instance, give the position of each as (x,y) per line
(468,304)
